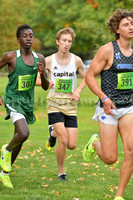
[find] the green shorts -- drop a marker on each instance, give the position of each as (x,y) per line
(29,116)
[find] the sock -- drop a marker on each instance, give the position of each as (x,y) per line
(3,173)
(7,150)
(61,174)
(52,133)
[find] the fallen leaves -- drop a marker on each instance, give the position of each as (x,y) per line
(45,186)
(107,196)
(80,179)
(43,166)
(32,165)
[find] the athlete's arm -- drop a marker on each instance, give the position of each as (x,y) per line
(102,61)
(81,70)
(48,65)
(1,101)
(42,72)
(9,58)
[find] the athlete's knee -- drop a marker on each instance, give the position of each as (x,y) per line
(63,142)
(129,155)
(130,150)
(24,135)
(110,159)
(71,146)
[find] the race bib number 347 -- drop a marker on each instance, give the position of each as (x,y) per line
(125,80)
(63,85)
(25,82)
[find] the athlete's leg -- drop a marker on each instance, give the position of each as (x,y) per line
(126,132)
(106,148)
(21,134)
(61,133)
(72,138)
(15,152)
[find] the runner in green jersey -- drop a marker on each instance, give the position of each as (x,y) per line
(23,66)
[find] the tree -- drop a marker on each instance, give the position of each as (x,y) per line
(11,16)
(87,17)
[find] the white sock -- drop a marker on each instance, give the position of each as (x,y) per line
(3,173)
(6,149)
(52,133)
(61,174)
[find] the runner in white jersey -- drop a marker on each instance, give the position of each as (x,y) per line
(62,98)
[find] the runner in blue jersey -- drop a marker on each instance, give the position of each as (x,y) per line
(114,112)
(23,66)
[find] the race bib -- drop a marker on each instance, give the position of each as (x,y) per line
(63,85)
(125,81)
(25,82)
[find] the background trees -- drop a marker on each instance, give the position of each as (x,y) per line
(87,17)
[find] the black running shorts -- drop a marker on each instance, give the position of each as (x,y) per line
(69,121)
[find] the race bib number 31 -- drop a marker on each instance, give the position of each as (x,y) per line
(25,82)
(125,80)
(63,85)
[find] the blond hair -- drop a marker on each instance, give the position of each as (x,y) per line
(67,30)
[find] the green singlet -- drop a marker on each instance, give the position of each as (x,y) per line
(19,94)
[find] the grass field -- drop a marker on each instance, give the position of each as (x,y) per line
(34,174)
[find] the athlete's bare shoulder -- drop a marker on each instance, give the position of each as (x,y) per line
(78,62)
(77,58)
(8,58)
(41,57)
(106,50)
(48,62)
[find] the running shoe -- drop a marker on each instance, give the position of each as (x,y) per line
(5,159)
(62,177)
(119,198)
(51,139)
(88,150)
(6,180)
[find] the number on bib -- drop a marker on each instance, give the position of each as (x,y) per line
(125,80)
(25,82)
(63,85)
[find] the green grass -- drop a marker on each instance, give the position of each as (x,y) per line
(34,174)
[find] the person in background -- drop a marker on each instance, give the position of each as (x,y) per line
(63,96)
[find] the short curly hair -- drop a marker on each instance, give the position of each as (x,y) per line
(20,28)
(116,18)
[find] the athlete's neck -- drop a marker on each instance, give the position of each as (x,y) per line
(125,46)
(63,58)
(25,52)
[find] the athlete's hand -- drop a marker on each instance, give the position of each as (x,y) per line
(75,96)
(40,67)
(51,84)
(1,101)
(107,105)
